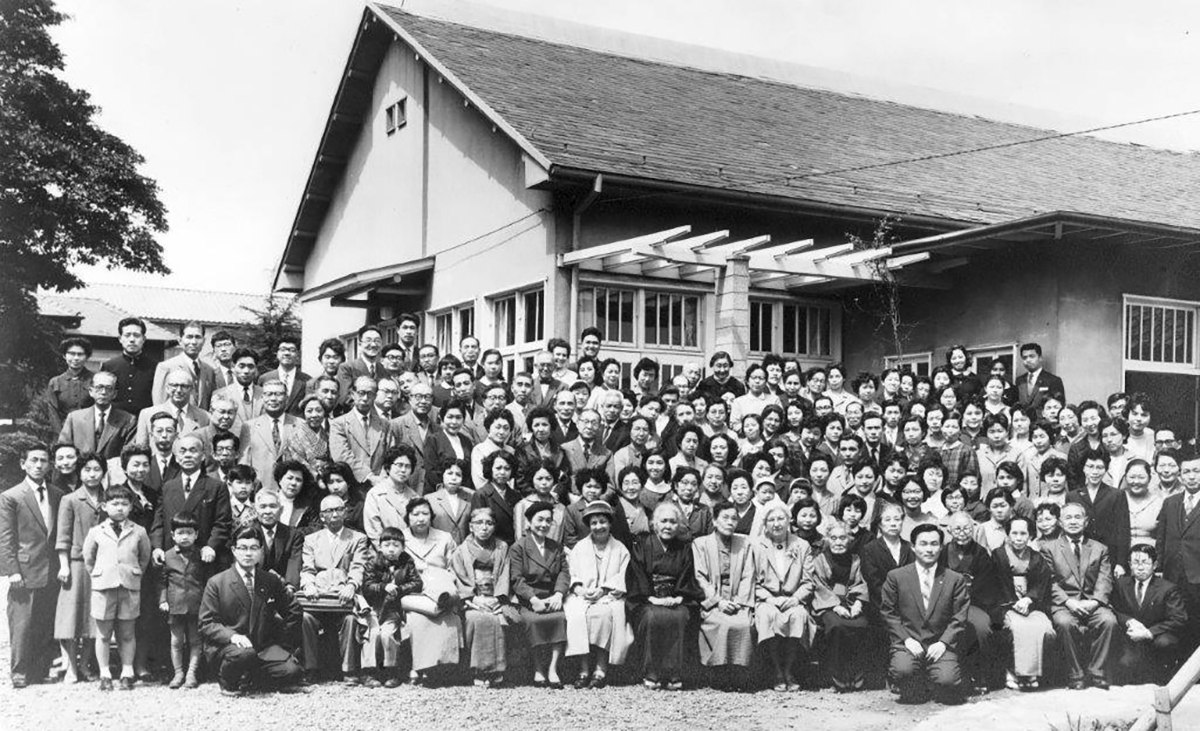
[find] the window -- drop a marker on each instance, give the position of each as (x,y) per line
(466,321)
(611,310)
(518,328)
(504,313)
(535,321)
(396,115)
(983,356)
(762,331)
(1160,335)
(671,320)
(391,334)
(450,326)
(918,363)
(443,329)
(806,330)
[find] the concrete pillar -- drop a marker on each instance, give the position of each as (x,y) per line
(733,310)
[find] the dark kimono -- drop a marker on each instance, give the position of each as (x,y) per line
(658,569)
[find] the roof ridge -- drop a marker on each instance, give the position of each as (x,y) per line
(178,289)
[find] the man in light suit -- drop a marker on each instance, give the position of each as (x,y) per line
(1083,582)
(248,621)
(266,437)
(361,437)
(587,450)
(295,381)
(370,343)
(334,559)
(1151,612)
(188,417)
(415,427)
(1037,384)
(101,428)
(245,392)
(925,608)
(222,415)
(28,518)
(203,375)
(1178,535)
(546,386)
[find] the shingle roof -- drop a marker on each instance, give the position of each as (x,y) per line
(167,304)
(601,112)
(97,317)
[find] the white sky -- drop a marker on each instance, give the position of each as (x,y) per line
(226,99)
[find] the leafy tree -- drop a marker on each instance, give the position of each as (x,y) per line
(70,194)
(271,322)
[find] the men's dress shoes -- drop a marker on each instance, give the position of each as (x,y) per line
(18,681)
(1077,685)
(106,684)
(126,683)
(1100,683)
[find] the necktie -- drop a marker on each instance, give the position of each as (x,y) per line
(275,433)
(196,372)
(926,588)
(587,454)
(245,394)
(249,578)
(371,369)
(1141,593)
(102,417)
(228,377)
(1189,503)
(366,424)
(44,505)
(187,487)
(1078,552)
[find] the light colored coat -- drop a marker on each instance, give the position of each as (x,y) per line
(589,573)
(189,420)
(326,553)
(245,411)
(116,562)
(362,449)
(258,445)
(204,386)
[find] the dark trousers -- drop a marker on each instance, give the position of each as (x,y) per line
(331,624)
(31,631)
(916,678)
(1095,632)
(1149,660)
(847,643)
(238,664)
(981,649)
(1190,638)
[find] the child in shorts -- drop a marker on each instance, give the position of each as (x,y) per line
(181,589)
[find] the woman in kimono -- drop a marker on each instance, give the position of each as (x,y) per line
(436,628)
(839,598)
(539,578)
(480,567)
(1024,587)
(781,617)
(595,608)
(631,519)
(726,571)
(663,598)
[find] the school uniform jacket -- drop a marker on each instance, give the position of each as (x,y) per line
(116,561)
(26,541)
(79,428)
(904,610)
(1161,611)
(362,449)
(299,390)
(1089,578)
(271,617)
(208,502)
(1179,542)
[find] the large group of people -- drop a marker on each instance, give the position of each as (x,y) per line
(413,516)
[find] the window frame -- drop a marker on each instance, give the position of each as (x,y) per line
(910,360)
(639,345)
(777,304)
(455,313)
(1191,368)
(991,350)
(395,115)
(519,351)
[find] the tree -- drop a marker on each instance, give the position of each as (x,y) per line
(70,194)
(272,322)
(884,303)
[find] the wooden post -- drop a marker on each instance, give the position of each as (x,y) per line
(1162,708)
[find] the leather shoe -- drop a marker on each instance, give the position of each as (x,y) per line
(1100,683)
(19,682)
(106,684)
(126,683)
(598,682)
(1077,685)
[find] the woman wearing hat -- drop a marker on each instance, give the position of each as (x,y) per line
(538,573)
(595,608)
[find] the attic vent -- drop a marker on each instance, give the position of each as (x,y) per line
(396,115)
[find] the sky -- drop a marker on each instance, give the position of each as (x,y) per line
(226,99)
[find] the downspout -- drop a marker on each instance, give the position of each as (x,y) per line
(576,215)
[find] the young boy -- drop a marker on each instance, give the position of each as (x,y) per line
(390,576)
(181,589)
(116,554)
(240,480)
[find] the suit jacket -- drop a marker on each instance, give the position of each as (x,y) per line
(438,451)
(1162,609)
(877,563)
(1089,578)
(561,435)
(362,449)
(573,451)
(457,524)
(204,386)
(258,445)
(1178,538)
(905,614)
(271,617)
(220,378)
(26,541)
(1047,385)
(246,410)
(618,437)
(350,371)
(116,561)
(347,550)
(408,431)
(208,502)
(299,390)
(553,386)
(533,574)
(159,476)
(502,508)
(189,420)
(181,581)
(283,556)
(1105,519)
(79,428)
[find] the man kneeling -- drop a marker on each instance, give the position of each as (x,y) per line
(247,619)
(1152,613)
(925,607)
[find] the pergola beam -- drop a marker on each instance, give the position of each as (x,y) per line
(623,246)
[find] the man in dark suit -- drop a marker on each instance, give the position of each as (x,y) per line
(133,368)
(28,519)
(1082,586)
(1037,384)
(100,428)
(925,609)
(370,343)
(295,381)
(614,433)
(563,427)
(1152,614)
(200,495)
(249,621)
(1104,504)
(163,465)
(1178,535)
(964,555)
(282,545)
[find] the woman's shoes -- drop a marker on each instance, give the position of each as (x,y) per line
(106,684)
(176,682)
(582,682)
(554,684)
(599,680)
(780,687)
(539,681)
(651,684)
(674,685)
(1010,680)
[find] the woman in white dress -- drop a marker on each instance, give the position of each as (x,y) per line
(595,605)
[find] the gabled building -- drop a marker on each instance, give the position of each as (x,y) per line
(516,188)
